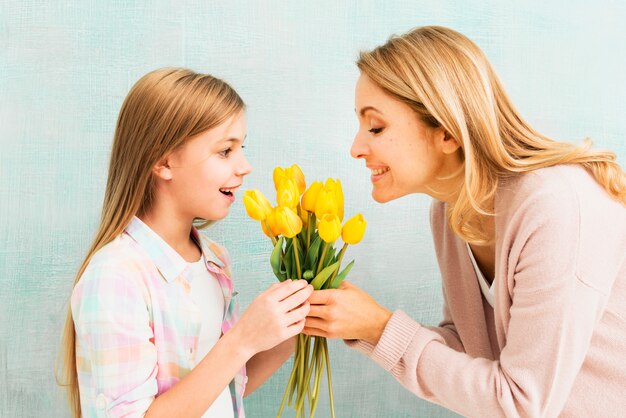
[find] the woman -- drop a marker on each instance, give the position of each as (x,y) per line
(530,236)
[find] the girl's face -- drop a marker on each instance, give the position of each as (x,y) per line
(208,169)
(404,154)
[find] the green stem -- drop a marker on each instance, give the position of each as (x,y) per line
(295,368)
(318,363)
(267,227)
(330,380)
(305,385)
(318,371)
(296,251)
(288,388)
(321,262)
(343,250)
(308,231)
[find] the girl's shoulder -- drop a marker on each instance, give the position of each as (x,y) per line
(214,250)
(119,264)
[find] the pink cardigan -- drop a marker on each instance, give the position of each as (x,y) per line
(555,342)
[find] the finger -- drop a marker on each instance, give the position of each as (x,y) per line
(296,299)
(320,297)
(295,329)
(314,332)
(316,323)
(273,286)
(288,287)
(297,314)
(318,311)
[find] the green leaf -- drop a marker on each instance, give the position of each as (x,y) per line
(313,254)
(323,276)
(330,256)
(288,259)
(308,275)
(339,278)
(275,261)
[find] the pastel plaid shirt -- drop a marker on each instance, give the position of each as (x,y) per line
(136,325)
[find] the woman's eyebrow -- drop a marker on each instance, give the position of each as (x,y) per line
(366,108)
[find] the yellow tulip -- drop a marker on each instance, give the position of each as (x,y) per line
(287,193)
(271,222)
(304,215)
(327,200)
(353,230)
(339,199)
(329,228)
(310,196)
(295,173)
(278,175)
(288,222)
(256,204)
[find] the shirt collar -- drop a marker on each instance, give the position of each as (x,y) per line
(169,263)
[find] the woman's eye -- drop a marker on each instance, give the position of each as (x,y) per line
(376,130)
(225,152)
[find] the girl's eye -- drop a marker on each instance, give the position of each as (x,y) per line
(376,130)
(225,153)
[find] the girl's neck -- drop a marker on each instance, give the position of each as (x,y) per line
(174,230)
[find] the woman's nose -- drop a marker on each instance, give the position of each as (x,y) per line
(359,148)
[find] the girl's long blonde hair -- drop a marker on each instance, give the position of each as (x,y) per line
(161,111)
(447,80)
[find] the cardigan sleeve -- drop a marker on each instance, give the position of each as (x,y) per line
(552,318)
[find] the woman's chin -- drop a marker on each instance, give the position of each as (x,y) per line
(381,197)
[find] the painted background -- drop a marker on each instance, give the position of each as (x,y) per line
(66,66)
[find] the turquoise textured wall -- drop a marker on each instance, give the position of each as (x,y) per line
(65,67)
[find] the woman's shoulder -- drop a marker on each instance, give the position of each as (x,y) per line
(565,187)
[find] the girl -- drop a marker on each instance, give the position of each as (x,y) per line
(530,236)
(153,327)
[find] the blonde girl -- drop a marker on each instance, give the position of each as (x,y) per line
(153,328)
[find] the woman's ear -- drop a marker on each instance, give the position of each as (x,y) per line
(162,169)
(449,144)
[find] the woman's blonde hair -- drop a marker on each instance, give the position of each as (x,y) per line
(448,81)
(161,111)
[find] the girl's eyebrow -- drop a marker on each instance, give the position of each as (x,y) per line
(233,139)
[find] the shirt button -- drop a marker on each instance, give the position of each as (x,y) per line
(101,401)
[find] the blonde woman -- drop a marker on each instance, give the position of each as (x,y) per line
(153,329)
(530,235)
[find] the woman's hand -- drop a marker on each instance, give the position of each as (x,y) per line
(274,316)
(348,313)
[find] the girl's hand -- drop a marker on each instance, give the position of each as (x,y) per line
(274,316)
(348,312)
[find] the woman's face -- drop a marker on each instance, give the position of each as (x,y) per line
(404,154)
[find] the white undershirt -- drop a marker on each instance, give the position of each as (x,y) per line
(207,294)
(485,288)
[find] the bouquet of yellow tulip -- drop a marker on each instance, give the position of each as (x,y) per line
(303,228)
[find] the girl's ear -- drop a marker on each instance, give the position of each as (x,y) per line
(448,144)
(162,169)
